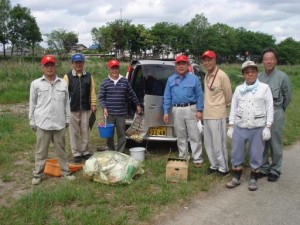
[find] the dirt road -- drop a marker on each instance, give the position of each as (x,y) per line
(272,204)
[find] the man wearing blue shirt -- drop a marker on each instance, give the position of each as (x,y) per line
(184,94)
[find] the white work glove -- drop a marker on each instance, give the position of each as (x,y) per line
(230,132)
(33,127)
(266,134)
(200,126)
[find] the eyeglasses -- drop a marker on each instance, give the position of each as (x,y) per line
(49,65)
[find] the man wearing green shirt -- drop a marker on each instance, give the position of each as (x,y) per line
(281,89)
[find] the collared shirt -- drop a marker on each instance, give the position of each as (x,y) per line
(114,97)
(49,106)
(93,94)
(252,109)
(218,97)
(280,85)
(182,90)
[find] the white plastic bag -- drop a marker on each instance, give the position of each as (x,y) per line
(110,167)
(200,126)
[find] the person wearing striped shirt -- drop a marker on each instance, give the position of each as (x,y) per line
(113,95)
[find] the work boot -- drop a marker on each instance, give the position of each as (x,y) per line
(253,181)
(235,181)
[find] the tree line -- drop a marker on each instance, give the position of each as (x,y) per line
(19,29)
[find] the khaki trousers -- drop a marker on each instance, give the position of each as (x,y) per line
(44,137)
(79,132)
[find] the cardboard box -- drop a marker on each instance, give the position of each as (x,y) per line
(177,170)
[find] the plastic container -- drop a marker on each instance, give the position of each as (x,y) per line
(106,131)
(138,153)
(52,167)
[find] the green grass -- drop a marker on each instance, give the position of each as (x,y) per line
(82,201)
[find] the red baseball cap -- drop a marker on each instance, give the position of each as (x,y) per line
(209,54)
(48,58)
(112,63)
(181,58)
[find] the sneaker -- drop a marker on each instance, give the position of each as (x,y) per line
(86,157)
(210,171)
(222,174)
(36,180)
(233,183)
(69,177)
(197,165)
(272,177)
(77,159)
(261,175)
(252,185)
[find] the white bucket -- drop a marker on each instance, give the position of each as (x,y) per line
(138,153)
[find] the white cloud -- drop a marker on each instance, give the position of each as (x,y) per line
(277,19)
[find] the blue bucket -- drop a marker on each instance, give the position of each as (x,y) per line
(106,132)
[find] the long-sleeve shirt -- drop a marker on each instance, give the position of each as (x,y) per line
(49,106)
(280,85)
(93,94)
(253,108)
(182,90)
(218,97)
(113,95)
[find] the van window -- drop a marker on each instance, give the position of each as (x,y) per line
(156,77)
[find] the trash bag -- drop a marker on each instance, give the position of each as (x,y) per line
(135,131)
(110,167)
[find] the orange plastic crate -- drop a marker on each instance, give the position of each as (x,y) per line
(52,167)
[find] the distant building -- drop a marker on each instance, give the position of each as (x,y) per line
(78,48)
(94,47)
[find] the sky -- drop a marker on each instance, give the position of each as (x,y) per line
(277,18)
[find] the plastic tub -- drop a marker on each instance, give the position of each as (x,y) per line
(138,153)
(106,131)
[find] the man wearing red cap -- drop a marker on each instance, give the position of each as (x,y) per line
(113,94)
(184,94)
(49,115)
(217,97)
(83,103)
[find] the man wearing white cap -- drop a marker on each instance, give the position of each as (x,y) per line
(250,119)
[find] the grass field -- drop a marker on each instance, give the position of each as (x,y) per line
(56,201)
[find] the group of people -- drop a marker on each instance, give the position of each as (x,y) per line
(256,117)
(56,104)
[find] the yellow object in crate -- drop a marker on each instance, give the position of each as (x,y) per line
(52,167)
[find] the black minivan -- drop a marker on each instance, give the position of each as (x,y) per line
(148,79)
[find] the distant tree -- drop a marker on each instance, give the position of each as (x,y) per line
(119,31)
(289,51)
(5,8)
(32,34)
(61,41)
(132,37)
(163,35)
(222,39)
(19,17)
(145,39)
(103,37)
(197,31)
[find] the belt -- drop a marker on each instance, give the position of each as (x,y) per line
(184,104)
